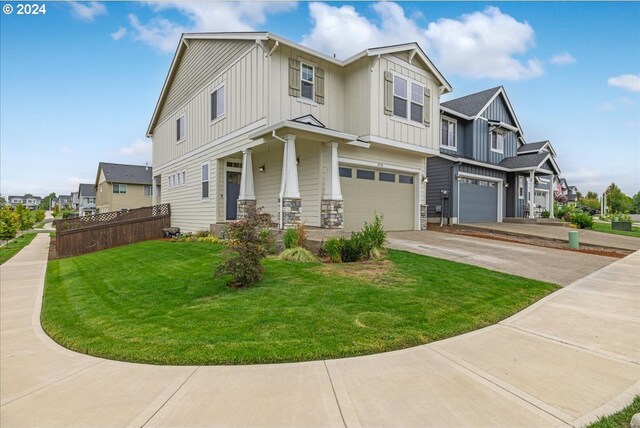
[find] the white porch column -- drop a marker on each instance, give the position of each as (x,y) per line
(532,193)
(550,196)
(247,191)
(332,190)
(290,168)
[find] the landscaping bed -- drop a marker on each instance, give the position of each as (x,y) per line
(158,302)
(606,228)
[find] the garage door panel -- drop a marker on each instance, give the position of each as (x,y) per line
(478,204)
(363,198)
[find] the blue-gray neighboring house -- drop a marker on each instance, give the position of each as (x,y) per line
(485,170)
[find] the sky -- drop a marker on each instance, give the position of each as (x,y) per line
(78,84)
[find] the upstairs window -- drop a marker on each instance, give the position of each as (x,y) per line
(306,81)
(119,188)
(408,99)
(217,103)
(449,137)
(148,190)
(497,141)
(180,128)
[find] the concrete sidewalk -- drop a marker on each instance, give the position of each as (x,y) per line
(587,237)
(563,361)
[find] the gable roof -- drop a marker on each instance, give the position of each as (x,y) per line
(536,147)
(525,161)
(260,37)
(86,189)
(126,174)
(473,105)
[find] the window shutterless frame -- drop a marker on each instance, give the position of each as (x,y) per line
(204,178)
(181,131)
(218,107)
(307,88)
(449,133)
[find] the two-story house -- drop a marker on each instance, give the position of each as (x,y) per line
(86,199)
(485,171)
(123,187)
(568,193)
(64,202)
(75,201)
(255,119)
(29,201)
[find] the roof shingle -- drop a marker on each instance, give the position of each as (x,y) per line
(472,104)
(127,174)
(524,161)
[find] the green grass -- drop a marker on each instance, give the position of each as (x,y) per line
(157,302)
(606,228)
(619,419)
(6,252)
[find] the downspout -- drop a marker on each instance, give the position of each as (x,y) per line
(282,180)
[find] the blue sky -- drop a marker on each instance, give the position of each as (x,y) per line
(78,85)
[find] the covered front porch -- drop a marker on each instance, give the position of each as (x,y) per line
(302,172)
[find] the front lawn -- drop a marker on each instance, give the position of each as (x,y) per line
(157,302)
(606,227)
(10,250)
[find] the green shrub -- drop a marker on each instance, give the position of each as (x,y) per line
(582,220)
(208,238)
(268,241)
(297,254)
(545,214)
(352,249)
(373,237)
(245,250)
(290,238)
(333,249)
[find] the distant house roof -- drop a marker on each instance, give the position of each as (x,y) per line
(126,174)
(87,189)
(23,197)
(534,160)
(536,147)
(472,104)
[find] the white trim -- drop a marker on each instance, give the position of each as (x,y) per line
(302,127)
(499,124)
(312,81)
(472,162)
(221,140)
(496,132)
(224,102)
(208,198)
(500,189)
(520,181)
(228,169)
(455,113)
(357,143)
(376,165)
(455,134)
(398,144)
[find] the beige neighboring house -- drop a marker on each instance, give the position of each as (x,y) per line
(255,119)
(121,187)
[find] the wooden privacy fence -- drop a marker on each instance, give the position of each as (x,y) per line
(83,235)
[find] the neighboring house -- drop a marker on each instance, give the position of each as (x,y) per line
(87,199)
(75,201)
(29,201)
(64,202)
(570,193)
(121,187)
(485,171)
(252,119)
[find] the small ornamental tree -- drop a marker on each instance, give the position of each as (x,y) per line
(9,223)
(39,214)
(26,220)
(246,247)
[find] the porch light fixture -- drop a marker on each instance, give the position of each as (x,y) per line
(298,160)
(425,180)
(262,168)
(506,184)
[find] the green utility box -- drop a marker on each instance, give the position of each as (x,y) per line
(574,240)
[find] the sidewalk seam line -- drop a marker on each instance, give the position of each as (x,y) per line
(334,393)
(170,397)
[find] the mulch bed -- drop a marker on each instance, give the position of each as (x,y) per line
(537,242)
(53,253)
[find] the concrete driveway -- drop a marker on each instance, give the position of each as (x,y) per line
(544,264)
(564,361)
(590,237)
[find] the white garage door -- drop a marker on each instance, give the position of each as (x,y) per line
(366,191)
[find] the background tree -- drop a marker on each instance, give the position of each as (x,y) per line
(39,215)
(579,195)
(3,201)
(9,223)
(591,195)
(46,201)
(617,201)
(25,219)
(635,201)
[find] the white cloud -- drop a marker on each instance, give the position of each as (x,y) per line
(139,149)
(477,45)
(164,34)
(334,25)
(484,45)
(630,82)
(65,150)
(117,35)
(563,58)
(87,11)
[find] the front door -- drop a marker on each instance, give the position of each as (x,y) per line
(233,191)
